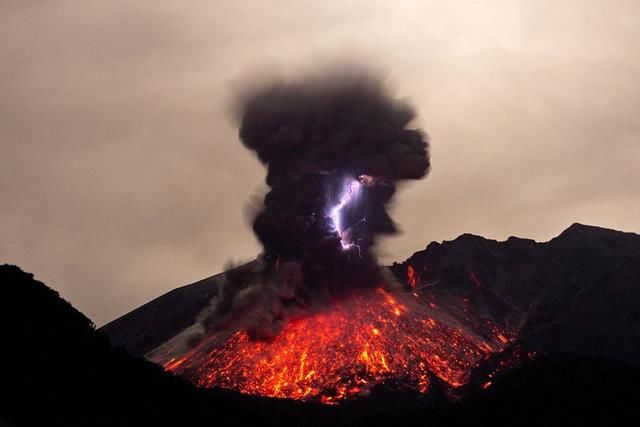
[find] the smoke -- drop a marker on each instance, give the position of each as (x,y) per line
(334,148)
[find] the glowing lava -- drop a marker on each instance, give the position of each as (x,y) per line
(356,343)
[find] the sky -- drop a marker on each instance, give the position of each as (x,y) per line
(122,177)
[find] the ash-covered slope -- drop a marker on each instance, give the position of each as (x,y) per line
(578,292)
(158,320)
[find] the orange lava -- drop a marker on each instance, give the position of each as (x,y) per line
(411,276)
(358,342)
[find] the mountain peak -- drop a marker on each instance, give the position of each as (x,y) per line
(577,230)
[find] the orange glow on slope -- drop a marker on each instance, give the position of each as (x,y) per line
(360,341)
(411,276)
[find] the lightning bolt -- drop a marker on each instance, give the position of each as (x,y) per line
(351,191)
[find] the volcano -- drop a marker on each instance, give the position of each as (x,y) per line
(470,311)
(316,318)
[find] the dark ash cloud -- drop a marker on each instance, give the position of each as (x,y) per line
(320,139)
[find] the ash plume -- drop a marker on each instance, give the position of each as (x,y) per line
(334,148)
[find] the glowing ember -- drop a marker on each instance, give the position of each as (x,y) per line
(359,342)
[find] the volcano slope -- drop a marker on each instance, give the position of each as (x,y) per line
(570,304)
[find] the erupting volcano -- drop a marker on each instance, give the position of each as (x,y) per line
(316,317)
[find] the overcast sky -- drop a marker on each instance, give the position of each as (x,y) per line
(121,175)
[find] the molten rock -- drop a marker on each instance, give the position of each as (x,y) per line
(344,350)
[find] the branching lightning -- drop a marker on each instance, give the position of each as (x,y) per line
(352,190)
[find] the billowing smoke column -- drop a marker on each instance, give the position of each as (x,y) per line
(334,149)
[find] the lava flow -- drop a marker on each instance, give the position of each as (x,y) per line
(343,352)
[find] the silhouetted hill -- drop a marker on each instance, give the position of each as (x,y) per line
(560,389)
(559,386)
(55,362)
